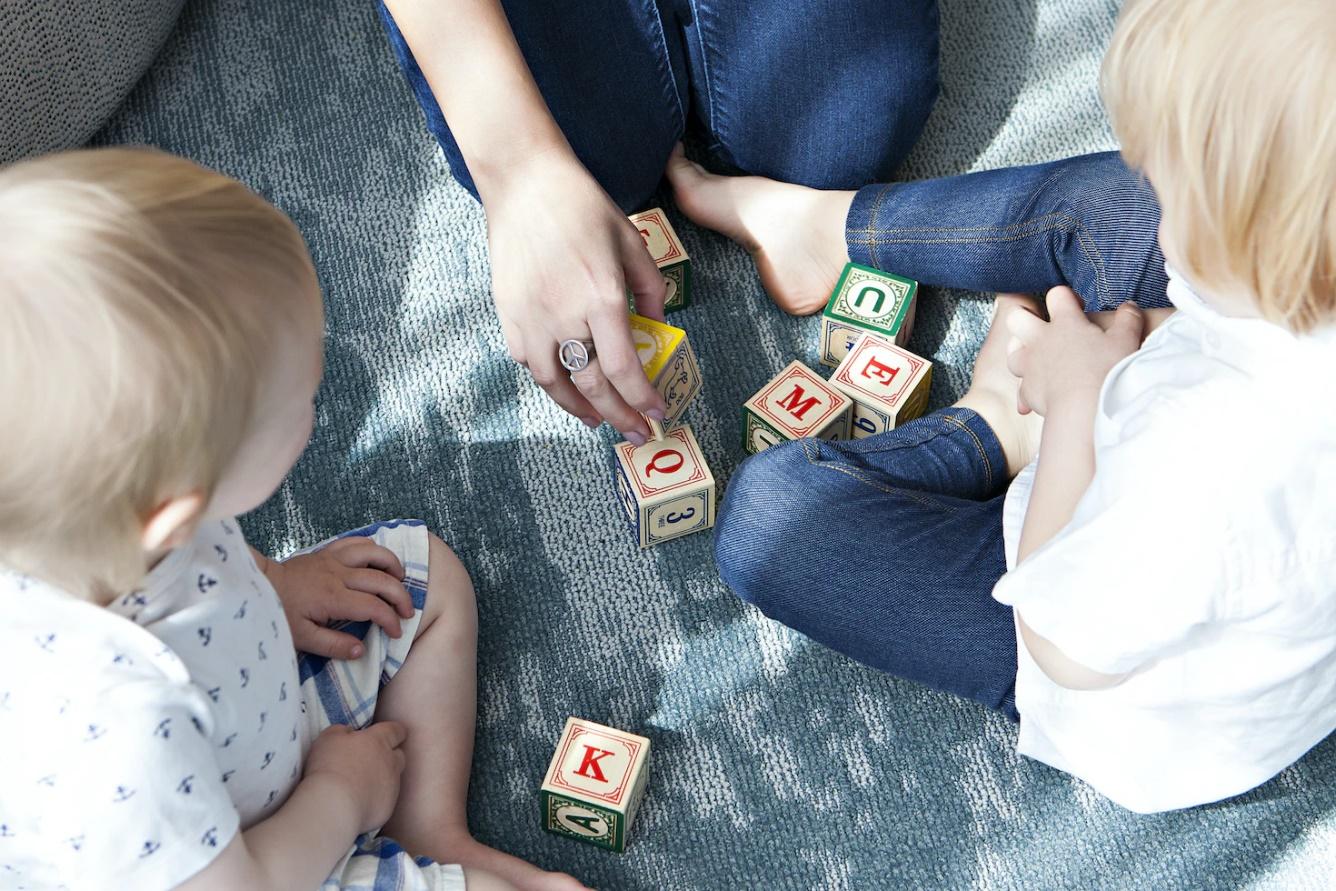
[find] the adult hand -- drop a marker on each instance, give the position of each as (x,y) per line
(1068,356)
(367,763)
(352,579)
(563,257)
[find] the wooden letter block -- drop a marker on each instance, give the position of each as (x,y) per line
(595,783)
(888,385)
(669,254)
(797,403)
(669,363)
(665,486)
(866,299)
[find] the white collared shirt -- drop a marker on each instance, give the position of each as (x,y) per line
(1202,559)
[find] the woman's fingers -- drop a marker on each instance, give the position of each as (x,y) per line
(548,373)
(643,278)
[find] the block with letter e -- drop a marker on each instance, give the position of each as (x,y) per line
(669,255)
(888,385)
(866,299)
(665,486)
(595,784)
(795,404)
(669,363)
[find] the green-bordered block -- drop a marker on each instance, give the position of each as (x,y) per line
(677,280)
(586,822)
(757,435)
(865,300)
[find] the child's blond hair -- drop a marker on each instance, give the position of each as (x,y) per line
(139,298)
(1227,105)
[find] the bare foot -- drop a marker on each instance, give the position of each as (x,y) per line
(994,388)
(795,234)
(472,854)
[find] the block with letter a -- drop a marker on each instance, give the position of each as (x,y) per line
(665,486)
(595,784)
(795,404)
(888,385)
(671,257)
(669,363)
(866,299)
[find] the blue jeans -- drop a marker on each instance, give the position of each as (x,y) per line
(885,549)
(830,95)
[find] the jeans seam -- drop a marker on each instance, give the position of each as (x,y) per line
(978,445)
(815,460)
(666,78)
(1026,227)
(713,123)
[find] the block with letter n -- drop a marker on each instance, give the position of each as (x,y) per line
(595,784)
(669,255)
(665,486)
(669,363)
(795,404)
(866,299)
(888,385)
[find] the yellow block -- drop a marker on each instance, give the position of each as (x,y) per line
(655,343)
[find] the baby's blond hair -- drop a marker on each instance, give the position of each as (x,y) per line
(1227,107)
(139,299)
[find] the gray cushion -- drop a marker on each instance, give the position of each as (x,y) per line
(66,66)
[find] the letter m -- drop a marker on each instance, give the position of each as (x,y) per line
(795,404)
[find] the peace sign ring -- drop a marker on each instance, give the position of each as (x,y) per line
(575,355)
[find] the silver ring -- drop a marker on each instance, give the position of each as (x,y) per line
(575,355)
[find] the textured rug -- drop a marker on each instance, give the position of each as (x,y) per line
(777,764)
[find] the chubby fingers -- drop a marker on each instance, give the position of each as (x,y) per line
(321,640)
(357,551)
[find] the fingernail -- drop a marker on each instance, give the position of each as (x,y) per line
(635,438)
(357,652)
(591,423)
(657,414)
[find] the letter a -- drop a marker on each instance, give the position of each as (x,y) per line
(794,403)
(590,762)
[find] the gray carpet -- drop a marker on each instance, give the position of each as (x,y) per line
(777,764)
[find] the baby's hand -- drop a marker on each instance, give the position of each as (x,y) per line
(367,763)
(1067,357)
(351,579)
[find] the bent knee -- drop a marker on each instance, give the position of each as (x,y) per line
(768,523)
(449,589)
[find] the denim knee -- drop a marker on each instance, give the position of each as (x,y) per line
(768,519)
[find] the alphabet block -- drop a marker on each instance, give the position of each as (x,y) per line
(665,486)
(797,403)
(669,254)
(669,363)
(866,299)
(888,385)
(595,784)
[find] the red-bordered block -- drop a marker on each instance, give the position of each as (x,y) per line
(595,783)
(666,486)
(888,385)
(795,404)
(669,255)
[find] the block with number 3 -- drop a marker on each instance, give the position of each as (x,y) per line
(669,255)
(795,404)
(888,385)
(665,486)
(595,784)
(866,299)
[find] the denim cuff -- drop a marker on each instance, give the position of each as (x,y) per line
(989,448)
(866,215)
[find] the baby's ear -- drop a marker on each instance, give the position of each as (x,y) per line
(173,522)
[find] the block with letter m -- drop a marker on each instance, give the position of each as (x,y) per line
(795,404)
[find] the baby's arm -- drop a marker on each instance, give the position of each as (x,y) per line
(1062,365)
(351,785)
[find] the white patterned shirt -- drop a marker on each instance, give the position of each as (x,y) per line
(138,738)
